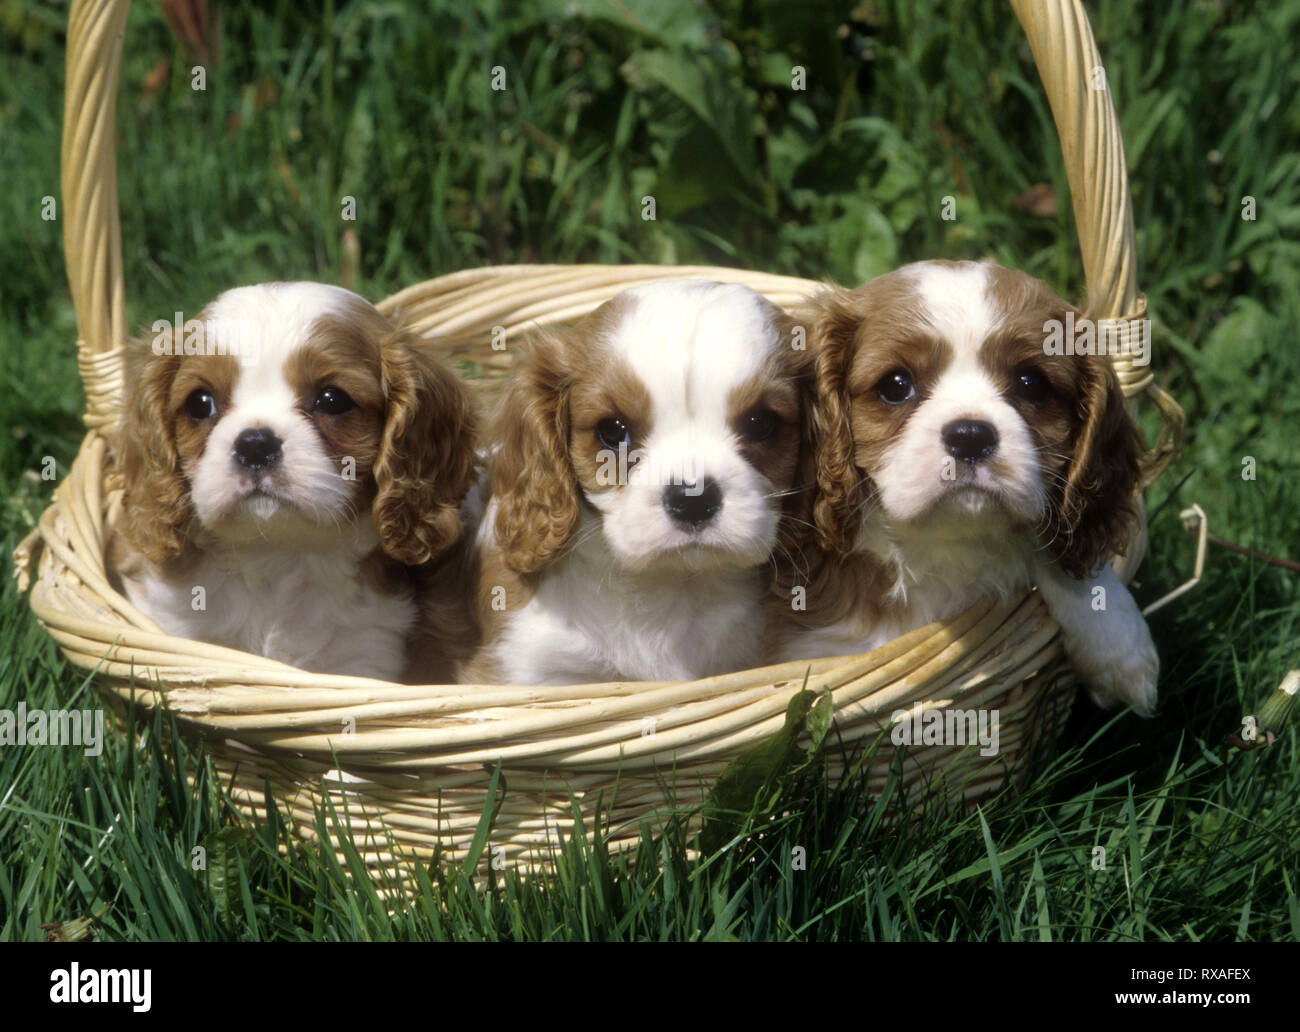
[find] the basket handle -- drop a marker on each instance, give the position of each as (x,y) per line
(92,232)
(1059,36)
(1061,41)
(1078,91)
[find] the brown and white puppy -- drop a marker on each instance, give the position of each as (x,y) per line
(957,460)
(640,471)
(286,460)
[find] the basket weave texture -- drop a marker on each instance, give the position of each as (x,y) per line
(412,763)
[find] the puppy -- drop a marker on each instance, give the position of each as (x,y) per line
(955,460)
(641,468)
(287,459)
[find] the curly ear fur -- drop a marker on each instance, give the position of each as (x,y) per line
(425,464)
(156,509)
(533,480)
(833,328)
(1095,505)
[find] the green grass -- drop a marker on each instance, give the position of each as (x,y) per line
(390,103)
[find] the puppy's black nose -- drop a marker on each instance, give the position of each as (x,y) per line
(257,448)
(694,504)
(970,439)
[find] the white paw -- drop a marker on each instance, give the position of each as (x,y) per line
(1118,673)
(1105,637)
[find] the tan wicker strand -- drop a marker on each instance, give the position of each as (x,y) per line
(407,767)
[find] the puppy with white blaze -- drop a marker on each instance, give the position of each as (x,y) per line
(641,469)
(288,481)
(957,460)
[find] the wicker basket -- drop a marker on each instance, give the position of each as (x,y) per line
(414,763)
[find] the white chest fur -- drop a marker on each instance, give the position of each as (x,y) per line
(1102,628)
(590,619)
(311,610)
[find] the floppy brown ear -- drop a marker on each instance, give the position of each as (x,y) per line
(156,509)
(796,529)
(533,480)
(1096,508)
(425,464)
(832,321)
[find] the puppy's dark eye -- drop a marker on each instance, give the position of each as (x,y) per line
(612,433)
(333,401)
(200,405)
(896,387)
(1032,386)
(759,425)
